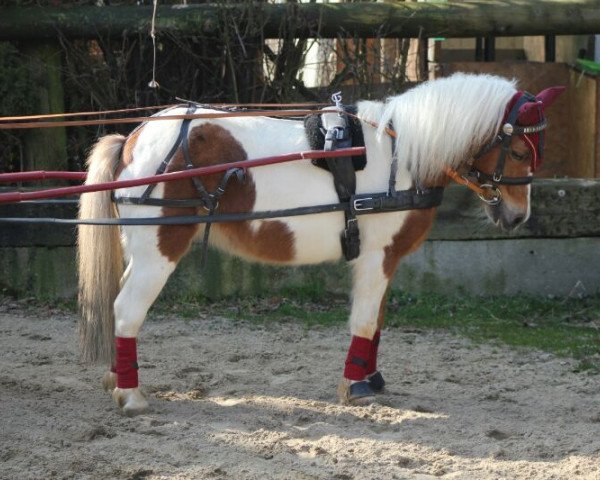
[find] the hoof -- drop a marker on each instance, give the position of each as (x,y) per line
(109,381)
(376,382)
(130,401)
(357,393)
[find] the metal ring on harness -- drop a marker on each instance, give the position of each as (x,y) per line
(496,197)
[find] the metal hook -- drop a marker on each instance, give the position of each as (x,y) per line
(337,99)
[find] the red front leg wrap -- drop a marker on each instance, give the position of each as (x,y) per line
(126,365)
(357,360)
(372,364)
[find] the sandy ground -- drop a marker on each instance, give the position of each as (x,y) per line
(237,401)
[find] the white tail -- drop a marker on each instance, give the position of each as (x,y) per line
(99,255)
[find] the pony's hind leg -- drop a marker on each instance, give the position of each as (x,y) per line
(145,277)
(370,283)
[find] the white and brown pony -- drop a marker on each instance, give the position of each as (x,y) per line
(457,122)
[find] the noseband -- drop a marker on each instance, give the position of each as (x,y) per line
(491,181)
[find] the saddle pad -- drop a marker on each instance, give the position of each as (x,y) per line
(316,137)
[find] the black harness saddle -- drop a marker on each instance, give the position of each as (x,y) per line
(347,132)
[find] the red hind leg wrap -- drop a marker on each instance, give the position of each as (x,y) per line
(372,363)
(126,362)
(358,358)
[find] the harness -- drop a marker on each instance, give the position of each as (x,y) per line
(337,136)
(340,132)
(209,201)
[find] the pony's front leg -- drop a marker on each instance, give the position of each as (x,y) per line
(361,379)
(143,282)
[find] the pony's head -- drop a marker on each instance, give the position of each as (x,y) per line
(480,124)
(504,166)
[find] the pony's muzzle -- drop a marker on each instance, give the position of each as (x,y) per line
(506,218)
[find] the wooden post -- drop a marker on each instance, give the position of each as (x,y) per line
(550,48)
(45,148)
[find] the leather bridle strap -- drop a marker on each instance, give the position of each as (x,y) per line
(487,192)
(504,139)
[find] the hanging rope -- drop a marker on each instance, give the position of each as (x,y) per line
(153,83)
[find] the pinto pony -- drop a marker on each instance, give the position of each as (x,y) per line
(476,123)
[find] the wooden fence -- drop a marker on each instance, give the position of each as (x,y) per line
(549,255)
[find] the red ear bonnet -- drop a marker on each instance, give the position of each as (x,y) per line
(532,114)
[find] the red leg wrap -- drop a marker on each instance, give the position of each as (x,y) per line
(126,362)
(358,358)
(372,364)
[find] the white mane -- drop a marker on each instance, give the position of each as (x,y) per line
(442,123)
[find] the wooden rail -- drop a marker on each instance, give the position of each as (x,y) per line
(325,20)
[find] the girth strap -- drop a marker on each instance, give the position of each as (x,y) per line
(344,181)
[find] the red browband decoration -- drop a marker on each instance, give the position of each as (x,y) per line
(532,114)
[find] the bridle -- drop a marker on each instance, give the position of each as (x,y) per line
(490,182)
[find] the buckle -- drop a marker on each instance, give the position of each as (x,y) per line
(358,206)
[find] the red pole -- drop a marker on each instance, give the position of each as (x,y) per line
(40,175)
(14,197)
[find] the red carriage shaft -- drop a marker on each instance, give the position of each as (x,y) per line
(14,197)
(40,175)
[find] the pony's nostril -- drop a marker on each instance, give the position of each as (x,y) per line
(518,220)
(509,222)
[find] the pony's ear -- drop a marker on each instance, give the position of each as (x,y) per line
(530,113)
(548,95)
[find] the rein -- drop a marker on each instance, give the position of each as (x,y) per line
(487,192)
(18,122)
(192,116)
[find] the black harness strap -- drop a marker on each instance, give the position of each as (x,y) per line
(165,163)
(414,199)
(182,140)
(215,203)
(363,204)
(344,181)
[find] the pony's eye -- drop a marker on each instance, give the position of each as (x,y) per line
(520,157)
